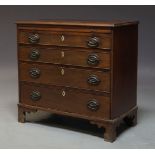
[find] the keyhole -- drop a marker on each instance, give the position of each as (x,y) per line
(62,38)
(62,71)
(63,93)
(62,54)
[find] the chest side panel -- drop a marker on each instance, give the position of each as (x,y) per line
(124,69)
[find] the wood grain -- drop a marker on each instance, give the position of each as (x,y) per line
(71,56)
(124,69)
(73,77)
(114,23)
(72,102)
(64,71)
(71,39)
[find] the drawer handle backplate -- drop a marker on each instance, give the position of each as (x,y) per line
(93,59)
(34,55)
(34,38)
(93,79)
(35,73)
(35,96)
(93,105)
(93,42)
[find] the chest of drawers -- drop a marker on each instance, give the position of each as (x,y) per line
(79,69)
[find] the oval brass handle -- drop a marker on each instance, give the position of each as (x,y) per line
(35,95)
(34,38)
(93,105)
(93,59)
(93,42)
(34,55)
(34,72)
(94,80)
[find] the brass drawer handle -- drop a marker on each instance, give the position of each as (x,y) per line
(93,59)
(34,38)
(93,79)
(93,42)
(35,73)
(34,55)
(93,105)
(35,95)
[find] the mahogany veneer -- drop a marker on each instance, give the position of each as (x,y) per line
(80,69)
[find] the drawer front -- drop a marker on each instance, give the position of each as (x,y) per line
(66,100)
(71,39)
(65,76)
(68,56)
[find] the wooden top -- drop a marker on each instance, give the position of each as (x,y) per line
(79,23)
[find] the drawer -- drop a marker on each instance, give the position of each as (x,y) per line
(71,39)
(65,100)
(68,56)
(65,76)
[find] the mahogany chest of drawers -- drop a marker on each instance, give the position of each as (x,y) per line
(79,69)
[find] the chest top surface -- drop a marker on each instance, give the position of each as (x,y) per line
(115,23)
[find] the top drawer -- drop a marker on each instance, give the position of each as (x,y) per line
(71,39)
